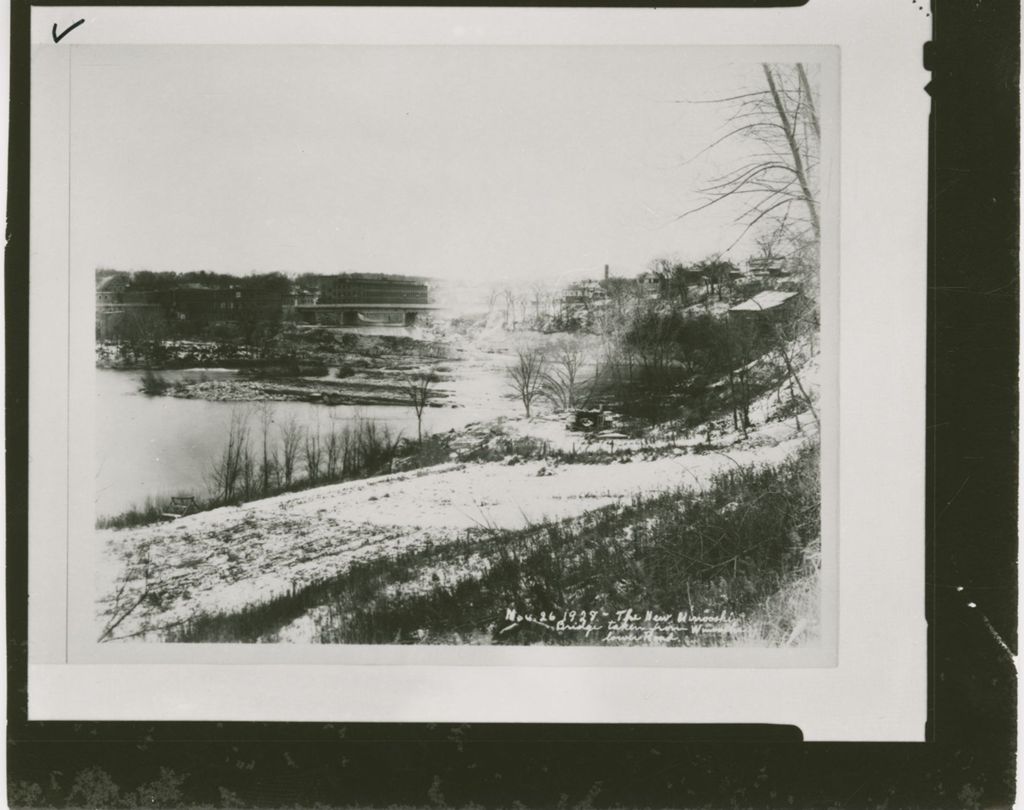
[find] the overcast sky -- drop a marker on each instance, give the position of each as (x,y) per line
(510,163)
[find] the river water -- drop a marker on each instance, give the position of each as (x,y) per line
(163,446)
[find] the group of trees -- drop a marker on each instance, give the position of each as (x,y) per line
(161,280)
(664,359)
(529,307)
(264,454)
(665,352)
(555,372)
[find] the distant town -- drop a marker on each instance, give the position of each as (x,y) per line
(189,303)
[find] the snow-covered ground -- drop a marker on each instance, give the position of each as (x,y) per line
(154,577)
(225,559)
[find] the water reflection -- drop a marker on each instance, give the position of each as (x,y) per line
(163,446)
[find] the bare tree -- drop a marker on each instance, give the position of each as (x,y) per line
(541,301)
(312,453)
(291,441)
(526,376)
(334,447)
(779,180)
(522,302)
(674,279)
(228,470)
(128,597)
(563,384)
(419,390)
(509,297)
(788,333)
(268,459)
(778,187)
(250,487)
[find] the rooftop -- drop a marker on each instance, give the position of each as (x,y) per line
(769,299)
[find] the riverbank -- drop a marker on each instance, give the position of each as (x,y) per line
(323,390)
(291,344)
(322,367)
(157,578)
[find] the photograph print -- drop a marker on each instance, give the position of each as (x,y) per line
(457,345)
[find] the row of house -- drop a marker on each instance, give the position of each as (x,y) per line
(343,300)
(586,297)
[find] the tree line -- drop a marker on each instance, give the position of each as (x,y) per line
(162,280)
(263,455)
(661,361)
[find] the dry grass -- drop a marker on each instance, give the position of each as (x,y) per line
(747,543)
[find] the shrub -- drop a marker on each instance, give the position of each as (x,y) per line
(153,384)
(747,542)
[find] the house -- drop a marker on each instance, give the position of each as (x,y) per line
(581,298)
(650,285)
(768,266)
(115,299)
(110,289)
(766,308)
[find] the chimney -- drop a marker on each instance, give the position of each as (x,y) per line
(606,272)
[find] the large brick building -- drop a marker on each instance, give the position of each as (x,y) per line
(214,304)
(368,299)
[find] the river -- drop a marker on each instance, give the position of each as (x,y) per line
(162,446)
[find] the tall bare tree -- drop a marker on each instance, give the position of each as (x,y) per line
(229,468)
(291,441)
(526,376)
(563,383)
(419,390)
(779,180)
(312,453)
(334,450)
(268,456)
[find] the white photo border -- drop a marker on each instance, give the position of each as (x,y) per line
(878,243)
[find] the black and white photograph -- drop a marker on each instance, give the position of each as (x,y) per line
(512,407)
(455,346)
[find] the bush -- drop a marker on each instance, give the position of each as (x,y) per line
(151,511)
(153,384)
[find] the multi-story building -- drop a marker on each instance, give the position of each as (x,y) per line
(201,304)
(115,299)
(368,299)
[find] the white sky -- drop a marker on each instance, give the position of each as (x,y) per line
(503,163)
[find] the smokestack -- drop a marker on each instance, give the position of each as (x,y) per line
(606,272)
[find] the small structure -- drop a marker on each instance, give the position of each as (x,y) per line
(769,301)
(591,420)
(770,266)
(765,310)
(180,506)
